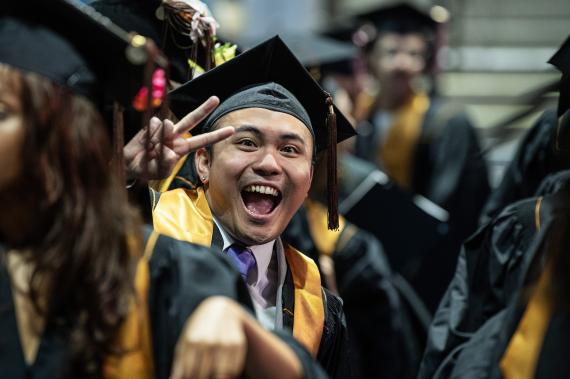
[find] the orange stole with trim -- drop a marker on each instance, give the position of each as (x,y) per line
(134,339)
(185,215)
(397,151)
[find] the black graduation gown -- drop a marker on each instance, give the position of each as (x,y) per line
(492,267)
(481,355)
(535,158)
(450,170)
(448,167)
(385,340)
(179,282)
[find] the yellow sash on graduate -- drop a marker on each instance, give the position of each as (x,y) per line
(309,313)
(398,148)
(521,356)
(134,338)
(185,215)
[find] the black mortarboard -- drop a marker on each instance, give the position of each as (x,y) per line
(310,48)
(561,60)
(400,211)
(142,16)
(401,18)
(72,45)
(259,76)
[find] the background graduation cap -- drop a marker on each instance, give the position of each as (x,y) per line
(63,41)
(272,61)
(561,60)
(401,18)
(169,25)
(310,48)
(71,44)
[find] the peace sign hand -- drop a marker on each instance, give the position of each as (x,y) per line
(173,145)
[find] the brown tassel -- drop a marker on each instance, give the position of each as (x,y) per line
(332,188)
(210,60)
(118,142)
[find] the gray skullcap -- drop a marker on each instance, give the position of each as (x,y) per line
(270,96)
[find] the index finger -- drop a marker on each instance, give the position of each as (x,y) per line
(193,118)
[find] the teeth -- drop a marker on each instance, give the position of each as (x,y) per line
(262,189)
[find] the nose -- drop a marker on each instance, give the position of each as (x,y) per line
(403,61)
(268,164)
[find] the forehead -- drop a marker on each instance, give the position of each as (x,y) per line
(396,40)
(266,121)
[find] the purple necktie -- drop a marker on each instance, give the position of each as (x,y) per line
(243,259)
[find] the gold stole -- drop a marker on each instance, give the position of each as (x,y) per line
(134,337)
(185,215)
(309,312)
(398,149)
(521,356)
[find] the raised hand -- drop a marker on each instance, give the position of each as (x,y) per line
(167,139)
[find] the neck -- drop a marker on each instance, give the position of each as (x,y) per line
(394,98)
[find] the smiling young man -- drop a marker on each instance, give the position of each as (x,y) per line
(253,183)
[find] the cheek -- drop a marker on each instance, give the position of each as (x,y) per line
(11,145)
(301,177)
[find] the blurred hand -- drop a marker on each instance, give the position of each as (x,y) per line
(173,145)
(213,343)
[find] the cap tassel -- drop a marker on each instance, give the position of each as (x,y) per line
(332,188)
(118,142)
(210,60)
(152,52)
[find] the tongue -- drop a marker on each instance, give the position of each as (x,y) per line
(258,203)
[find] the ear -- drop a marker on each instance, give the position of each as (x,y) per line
(202,161)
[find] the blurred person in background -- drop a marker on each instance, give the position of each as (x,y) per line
(426,145)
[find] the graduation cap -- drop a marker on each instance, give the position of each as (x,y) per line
(401,211)
(170,24)
(270,76)
(561,60)
(69,43)
(401,18)
(310,48)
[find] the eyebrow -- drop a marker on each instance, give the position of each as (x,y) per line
(248,128)
(257,132)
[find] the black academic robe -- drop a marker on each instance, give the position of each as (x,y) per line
(481,356)
(491,270)
(178,283)
(449,169)
(535,158)
(448,166)
(386,338)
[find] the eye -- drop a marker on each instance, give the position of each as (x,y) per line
(290,150)
(247,143)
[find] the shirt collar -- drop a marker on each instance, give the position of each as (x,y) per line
(262,253)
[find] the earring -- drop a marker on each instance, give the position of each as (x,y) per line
(204,179)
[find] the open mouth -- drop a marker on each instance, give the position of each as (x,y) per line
(260,200)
